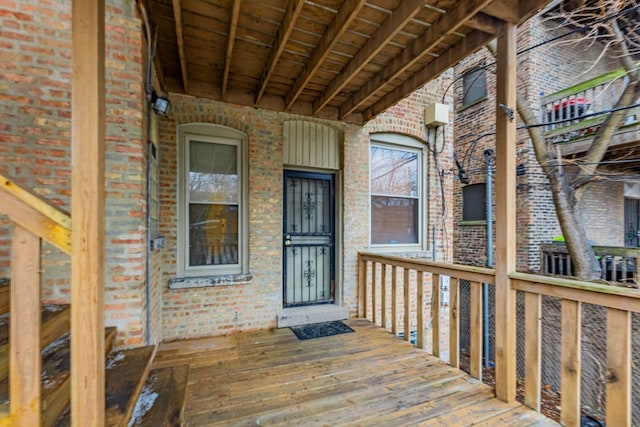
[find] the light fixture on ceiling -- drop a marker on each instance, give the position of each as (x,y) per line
(161,105)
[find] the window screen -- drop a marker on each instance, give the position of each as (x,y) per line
(474,202)
(474,85)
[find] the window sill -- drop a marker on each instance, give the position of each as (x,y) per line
(472,104)
(210,281)
(472,223)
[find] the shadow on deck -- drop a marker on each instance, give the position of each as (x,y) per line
(364,378)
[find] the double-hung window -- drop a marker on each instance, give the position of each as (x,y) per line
(212,229)
(396,191)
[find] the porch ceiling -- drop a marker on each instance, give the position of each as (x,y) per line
(347,60)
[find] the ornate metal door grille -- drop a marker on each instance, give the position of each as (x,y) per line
(308,239)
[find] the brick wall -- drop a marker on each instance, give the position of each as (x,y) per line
(604,201)
(35,124)
(253,305)
(542,70)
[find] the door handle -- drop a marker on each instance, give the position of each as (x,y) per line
(287,240)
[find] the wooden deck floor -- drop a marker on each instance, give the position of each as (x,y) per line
(366,378)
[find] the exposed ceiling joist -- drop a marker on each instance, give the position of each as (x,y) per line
(504,10)
(483,22)
(464,47)
(284,32)
(389,28)
(233,26)
(330,59)
(447,24)
(177,16)
(345,16)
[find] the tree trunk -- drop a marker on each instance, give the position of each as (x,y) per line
(583,259)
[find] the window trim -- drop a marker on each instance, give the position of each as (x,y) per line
(203,132)
(403,142)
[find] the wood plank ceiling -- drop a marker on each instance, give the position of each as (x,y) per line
(348,60)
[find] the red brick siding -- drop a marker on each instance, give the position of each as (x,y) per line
(35,76)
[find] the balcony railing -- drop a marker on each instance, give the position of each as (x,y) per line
(396,288)
(618,264)
(579,110)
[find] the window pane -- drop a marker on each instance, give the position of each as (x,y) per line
(213,175)
(394,172)
(474,86)
(394,220)
(213,234)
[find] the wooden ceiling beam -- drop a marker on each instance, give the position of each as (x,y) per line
(452,56)
(448,23)
(505,10)
(177,16)
(483,22)
(345,16)
(233,26)
(391,26)
(284,32)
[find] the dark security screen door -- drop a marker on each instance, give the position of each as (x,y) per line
(308,238)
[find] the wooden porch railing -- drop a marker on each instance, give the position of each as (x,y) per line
(375,280)
(618,264)
(579,110)
(34,220)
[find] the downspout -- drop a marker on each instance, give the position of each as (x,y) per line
(488,154)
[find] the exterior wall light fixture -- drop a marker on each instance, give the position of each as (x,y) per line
(161,105)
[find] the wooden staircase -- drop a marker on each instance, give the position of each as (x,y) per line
(126,370)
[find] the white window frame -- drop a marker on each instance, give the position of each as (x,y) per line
(403,143)
(216,134)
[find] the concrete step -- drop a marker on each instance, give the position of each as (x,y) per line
(311,314)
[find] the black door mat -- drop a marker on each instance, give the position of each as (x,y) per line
(318,330)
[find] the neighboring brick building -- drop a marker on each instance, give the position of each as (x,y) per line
(140,296)
(543,70)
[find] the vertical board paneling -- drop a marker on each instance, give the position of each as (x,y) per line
(311,144)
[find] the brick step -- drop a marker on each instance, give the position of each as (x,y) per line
(126,373)
(55,322)
(56,386)
(162,400)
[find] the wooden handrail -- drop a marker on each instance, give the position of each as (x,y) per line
(619,302)
(35,214)
(466,272)
(373,299)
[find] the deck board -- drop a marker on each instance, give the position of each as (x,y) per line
(369,377)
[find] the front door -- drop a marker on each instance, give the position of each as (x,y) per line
(308,238)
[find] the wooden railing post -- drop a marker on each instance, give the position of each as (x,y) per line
(374,280)
(394,300)
(475,363)
(435,314)
(383,295)
(87,211)
(618,367)
(532,349)
(505,213)
(454,322)
(570,369)
(25,328)
(362,287)
(407,304)
(420,309)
